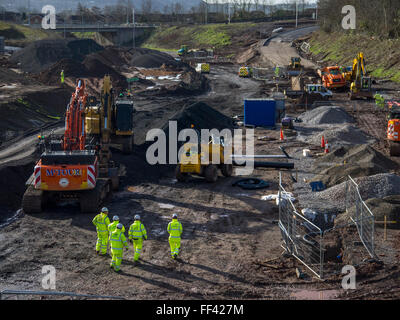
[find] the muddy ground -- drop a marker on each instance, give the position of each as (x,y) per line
(231,244)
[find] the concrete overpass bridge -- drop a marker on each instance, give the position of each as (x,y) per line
(117,33)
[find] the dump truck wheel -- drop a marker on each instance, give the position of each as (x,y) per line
(180,176)
(32,200)
(211,173)
(127,145)
(227,170)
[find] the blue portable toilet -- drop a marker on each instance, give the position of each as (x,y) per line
(260,112)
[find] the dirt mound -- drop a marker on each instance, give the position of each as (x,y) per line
(98,69)
(12,182)
(113,56)
(326,115)
(336,135)
(90,68)
(389,207)
(202,116)
(332,199)
(8,76)
(358,161)
(41,54)
(147,58)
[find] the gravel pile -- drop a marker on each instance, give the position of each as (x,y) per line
(326,115)
(333,199)
(355,161)
(336,135)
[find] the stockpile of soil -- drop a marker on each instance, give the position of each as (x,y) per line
(12,182)
(333,199)
(356,161)
(202,116)
(98,69)
(147,58)
(326,115)
(387,206)
(336,135)
(113,56)
(41,54)
(8,76)
(90,68)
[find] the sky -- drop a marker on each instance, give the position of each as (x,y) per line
(15,4)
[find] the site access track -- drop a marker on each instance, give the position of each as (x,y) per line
(277,50)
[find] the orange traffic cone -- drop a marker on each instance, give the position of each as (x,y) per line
(281,137)
(326,147)
(322,142)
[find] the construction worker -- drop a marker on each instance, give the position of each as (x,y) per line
(101,221)
(137,232)
(118,243)
(113,225)
(62,76)
(175,231)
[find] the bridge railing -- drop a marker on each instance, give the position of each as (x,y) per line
(62,25)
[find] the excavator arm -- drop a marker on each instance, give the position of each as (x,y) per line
(74,135)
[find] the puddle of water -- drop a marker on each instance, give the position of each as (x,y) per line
(315,295)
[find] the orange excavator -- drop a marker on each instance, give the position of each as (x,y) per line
(70,167)
(393,129)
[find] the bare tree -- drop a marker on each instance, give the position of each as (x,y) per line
(147,6)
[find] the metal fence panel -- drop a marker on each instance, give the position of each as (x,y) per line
(301,238)
(361,215)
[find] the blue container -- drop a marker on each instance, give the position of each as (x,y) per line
(260,112)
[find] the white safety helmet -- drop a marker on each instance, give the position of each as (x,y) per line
(119,226)
(137,217)
(104,210)
(174,216)
(115,218)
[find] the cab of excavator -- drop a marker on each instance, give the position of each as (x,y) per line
(394,112)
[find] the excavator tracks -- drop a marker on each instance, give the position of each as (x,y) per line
(91,200)
(32,201)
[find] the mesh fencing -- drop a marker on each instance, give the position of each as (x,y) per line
(360,215)
(316,247)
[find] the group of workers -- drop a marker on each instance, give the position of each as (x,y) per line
(114,234)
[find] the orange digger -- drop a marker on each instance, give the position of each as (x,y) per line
(393,129)
(72,167)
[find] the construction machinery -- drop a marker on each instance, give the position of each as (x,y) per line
(393,128)
(346,73)
(72,166)
(119,115)
(192,160)
(360,84)
(245,72)
(294,67)
(332,77)
(203,68)
(185,52)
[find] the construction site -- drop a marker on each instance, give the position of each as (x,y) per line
(324,193)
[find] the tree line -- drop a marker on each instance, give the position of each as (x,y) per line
(375,17)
